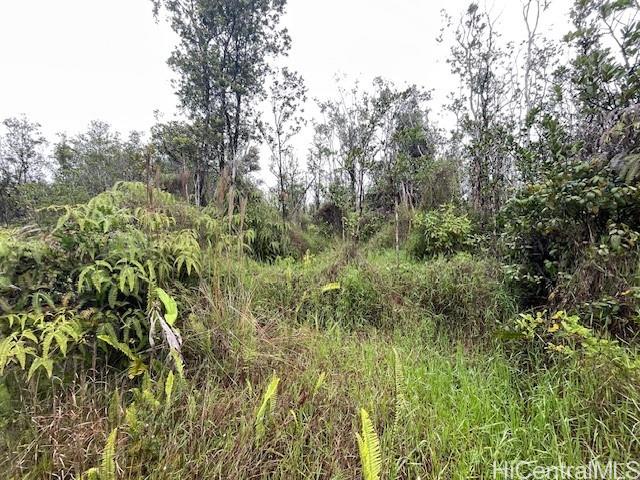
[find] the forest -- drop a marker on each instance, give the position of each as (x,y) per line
(405,300)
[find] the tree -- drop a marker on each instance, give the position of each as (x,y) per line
(409,149)
(98,158)
(176,146)
(605,73)
(21,157)
(533,87)
(287,96)
(222,61)
(483,108)
(21,162)
(353,121)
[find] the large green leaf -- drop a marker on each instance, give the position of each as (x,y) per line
(170,306)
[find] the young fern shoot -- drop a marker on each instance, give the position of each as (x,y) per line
(267,407)
(369,448)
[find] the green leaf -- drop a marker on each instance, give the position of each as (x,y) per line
(21,354)
(30,335)
(267,406)
(136,368)
(6,349)
(108,463)
(40,362)
(83,274)
(170,306)
(369,448)
(168,387)
(330,286)
(46,344)
(113,296)
(132,278)
(61,340)
(122,347)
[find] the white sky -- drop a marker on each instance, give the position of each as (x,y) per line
(64,63)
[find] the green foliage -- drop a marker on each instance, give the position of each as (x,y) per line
(107,469)
(93,161)
(241,40)
(24,256)
(35,339)
(581,209)
(267,236)
(359,301)
(94,277)
(440,232)
(267,407)
(446,404)
(369,448)
(561,336)
(466,294)
(401,404)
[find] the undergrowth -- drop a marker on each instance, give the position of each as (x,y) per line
(274,360)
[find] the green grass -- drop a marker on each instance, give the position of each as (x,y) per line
(469,403)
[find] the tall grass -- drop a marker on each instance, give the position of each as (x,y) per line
(467,403)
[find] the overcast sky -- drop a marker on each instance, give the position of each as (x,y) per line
(64,63)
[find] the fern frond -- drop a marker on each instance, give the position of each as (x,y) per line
(107,468)
(108,463)
(401,406)
(268,404)
(369,448)
(168,388)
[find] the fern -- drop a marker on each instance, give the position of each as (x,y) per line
(168,388)
(401,406)
(107,469)
(319,383)
(267,406)
(369,448)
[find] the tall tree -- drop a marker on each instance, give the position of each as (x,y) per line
(287,95)
(353,120)
(534,89)
(606,70)
(176,146)
(408,148)
(483,107)
(222,61)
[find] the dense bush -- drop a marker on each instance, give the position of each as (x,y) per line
(267,236)
(359,300)
(560,336)
(95,281)
(442,231)
(329,217)
(573,238)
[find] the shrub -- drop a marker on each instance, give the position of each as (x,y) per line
(466,294)
(93,282)
(581,209)
(384,238)
(441,231)
(266,234)
(358,300)
(329,216)
(307,239)
(562,335)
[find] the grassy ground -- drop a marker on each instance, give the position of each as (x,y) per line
(411,343)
